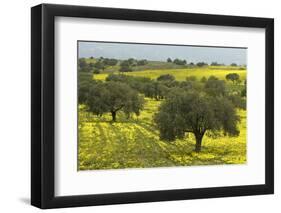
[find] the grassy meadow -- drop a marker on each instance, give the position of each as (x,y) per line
(134,142)
(181,74)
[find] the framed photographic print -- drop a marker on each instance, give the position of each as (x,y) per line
(139,106)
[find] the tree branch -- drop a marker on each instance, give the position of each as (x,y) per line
(115,110)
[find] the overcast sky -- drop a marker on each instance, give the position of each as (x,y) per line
(162,52)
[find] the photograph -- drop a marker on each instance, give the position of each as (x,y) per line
(160,105)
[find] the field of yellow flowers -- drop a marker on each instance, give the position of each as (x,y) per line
(134,143)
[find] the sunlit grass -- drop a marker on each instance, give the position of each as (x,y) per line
(181,74)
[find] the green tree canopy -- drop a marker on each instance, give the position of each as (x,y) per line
(201,64)
(111,97)
(110,61)
(142,62)
(155,89)
(126,66)
(83,66)
(169,60)
(214,63)
(85,83)
(215,87)
(244,90)
(234,77)
(166,77)
(99,65)
(191,78)
(197,113)
(179,62)
(82,63)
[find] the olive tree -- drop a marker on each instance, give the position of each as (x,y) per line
(234,77)
(166,77)
(155,89)
(112,97)
(85,83)
(197,113)
(125,66)
(244,90)
(215,87)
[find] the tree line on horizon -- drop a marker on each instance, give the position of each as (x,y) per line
(127,65)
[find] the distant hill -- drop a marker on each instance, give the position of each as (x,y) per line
(99,65)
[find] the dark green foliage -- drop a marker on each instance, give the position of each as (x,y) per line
(126,66)
(244,90)
(166,77)
(203,79)
(187,85)
(137,83)
(110,61)
(96,67)
(201,64)
(96,71)
(134,104)
(215,63)
(194,112)
(131,61)
(238,101)
(156,90)
(83,91)
(169,60)
(179,62)
(99,65)
(191,83)
(83,66)
(97,99)
(111,97)
(116,77)
(191,78)
(233,65)
(215,87)
(85,83)
(142,62)
(234,77)
(150,88)
(82,63)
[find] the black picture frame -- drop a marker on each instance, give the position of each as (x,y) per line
(43,110)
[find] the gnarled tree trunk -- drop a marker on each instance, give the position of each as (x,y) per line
(113,114)
(198,144)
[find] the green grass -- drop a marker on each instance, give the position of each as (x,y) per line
(181,74)
(134,143)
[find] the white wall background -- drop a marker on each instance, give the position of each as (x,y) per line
(15,105)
